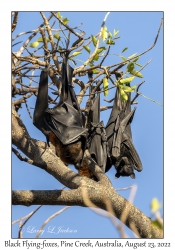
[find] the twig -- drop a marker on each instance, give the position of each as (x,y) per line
(50,218)
(59,19)
(109,101)
(29,216)
(15,20)
(144,52)
(20,231)
(125,211)
(16,43)
(137,93)
(150,99)
(105,56)
(90,40)
(20,51)
(83,91)
(22,158)
(79,82)
(109,213)
(21,100)
(28,109)
(54,56)
(97,45)
(123,189)
(32,31)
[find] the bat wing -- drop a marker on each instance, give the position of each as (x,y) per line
(97,141)
(113,122)
(65,120)
(122,151)
(41,104)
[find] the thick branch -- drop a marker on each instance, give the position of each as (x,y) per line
(98,195)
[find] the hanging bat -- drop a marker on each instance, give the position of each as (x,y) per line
(97,135)
(62,125)
(123,154)
(97,140)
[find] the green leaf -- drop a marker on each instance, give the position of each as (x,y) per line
(126,80)
(116,32)
(157,224)
(40,40)
(60,48)
(96,57)
(138,65)
(123,95)
(91,64)
(57,36)
(109,35)
(155,205)
(47,39)
(105,86)
(130,67)
(65,20)
(123,58)
(104,33)
(59,15)
(94,40)
(136,59)
(76,53)
(110,42)
(133,87)
(136,73)
(95,71)
(124,49)
(127,89)
(87,49)
(34,44)
(99,50)
(132,56)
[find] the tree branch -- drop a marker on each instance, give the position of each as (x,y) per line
(97,194)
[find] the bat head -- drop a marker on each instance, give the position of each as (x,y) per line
(125,168)
(71,153)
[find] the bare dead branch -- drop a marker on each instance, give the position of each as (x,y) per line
(22,158)
(49,219)
(28,217)
(137,93)
(15,20)
(105,56)
(21,100)
(70,29)
(20,51)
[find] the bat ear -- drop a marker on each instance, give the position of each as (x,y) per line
(133,176)
(117,175)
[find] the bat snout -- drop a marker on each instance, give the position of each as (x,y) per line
(125,168)
(72,154)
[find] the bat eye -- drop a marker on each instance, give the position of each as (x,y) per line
(68,155)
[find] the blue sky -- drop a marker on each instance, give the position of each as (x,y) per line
(137,31)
